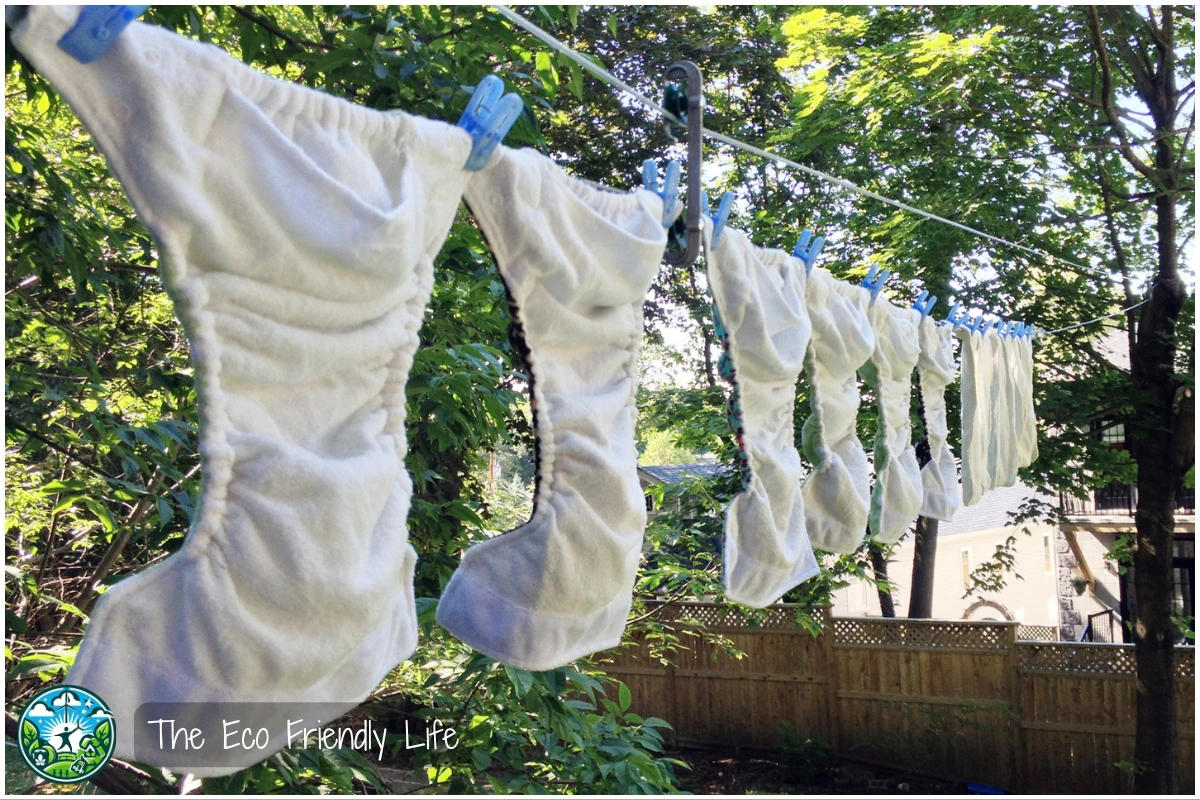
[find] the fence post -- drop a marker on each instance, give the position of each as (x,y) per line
(1017,739)
(831,684)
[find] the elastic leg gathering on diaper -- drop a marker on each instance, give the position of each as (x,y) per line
(760,307)
(578,263)
(935,370)
(296,233)
(837,493)
(899,491)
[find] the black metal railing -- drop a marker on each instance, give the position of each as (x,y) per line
(1120,499)
(1101,627)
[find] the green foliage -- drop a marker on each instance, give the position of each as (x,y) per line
(309,770)
(660,448)
(991,575)
(520,731)
(1121,553)
(509,478)
(987,115)
(804,759)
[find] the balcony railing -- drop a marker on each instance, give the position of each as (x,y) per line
(1102,627)
(1120,500)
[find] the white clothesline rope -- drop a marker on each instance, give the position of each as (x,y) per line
(1097,319)
(607,77)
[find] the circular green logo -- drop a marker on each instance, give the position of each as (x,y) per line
(68,734)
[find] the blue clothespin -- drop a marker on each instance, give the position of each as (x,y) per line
(874,282)
(991,324)
(808,254)
(925,305)
(96,29)
(954,318)
(670,190)
(975,324)
(488,118)
(721,217)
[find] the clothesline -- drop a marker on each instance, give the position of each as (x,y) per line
(606,77)
(1097,319)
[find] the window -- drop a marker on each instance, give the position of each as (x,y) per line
(866,594)
(1114,435)
(1049,554)
(856,597)
(965,555)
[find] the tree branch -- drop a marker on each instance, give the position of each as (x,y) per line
(271,28)
(11,423)
(1106,93)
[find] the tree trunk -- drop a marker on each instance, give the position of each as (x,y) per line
(920,602)
(1157,746)
(1160,447)
(920,598)
(879,564)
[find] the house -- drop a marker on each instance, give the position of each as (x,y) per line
(1063,577)
(973,537)
(670,474)
(1093,526)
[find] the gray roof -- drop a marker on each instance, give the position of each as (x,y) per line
(992,509)
(674,473)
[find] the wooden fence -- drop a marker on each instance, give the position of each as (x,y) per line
(960,701)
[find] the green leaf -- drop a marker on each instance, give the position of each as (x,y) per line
(38,664)
(165,512)
(103,734)
(53,487)
(64,503)
(102,513)
(625,698)
(544,63)
(520,678)
(576,84)
(13,622)
(29,735)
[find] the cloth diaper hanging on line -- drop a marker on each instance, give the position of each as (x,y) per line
(577,262)
(837,493)
(935,370)
(760,311)
(899,491)
(296,233)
